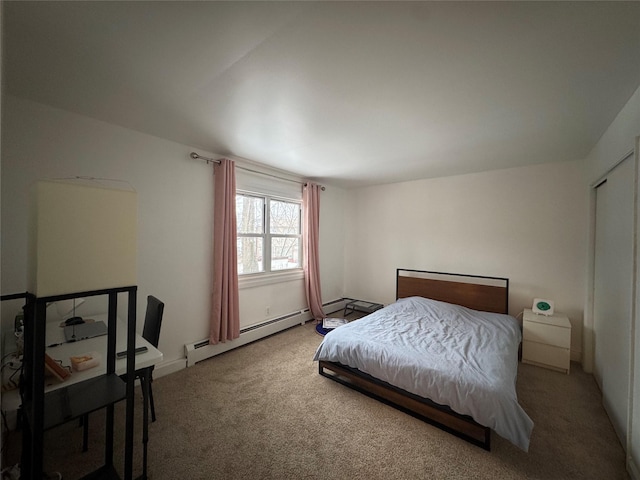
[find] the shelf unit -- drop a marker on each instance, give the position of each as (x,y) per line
(42,411)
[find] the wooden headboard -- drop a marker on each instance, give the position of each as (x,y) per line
(488,294)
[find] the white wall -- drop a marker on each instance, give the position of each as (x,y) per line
(527,224)
(175,197)
(617,142)
(332,242)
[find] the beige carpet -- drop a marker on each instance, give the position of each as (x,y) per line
(264,412)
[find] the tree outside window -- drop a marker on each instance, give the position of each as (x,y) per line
(269,234)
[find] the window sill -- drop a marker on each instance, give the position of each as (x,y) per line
(260,279)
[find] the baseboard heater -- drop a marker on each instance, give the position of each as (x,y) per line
(201,350)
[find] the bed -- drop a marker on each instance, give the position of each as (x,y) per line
(446,352)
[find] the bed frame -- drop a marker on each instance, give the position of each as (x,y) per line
(473,291)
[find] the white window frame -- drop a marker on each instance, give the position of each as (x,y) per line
(269,276)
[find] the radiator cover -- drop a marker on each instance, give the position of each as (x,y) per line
(201,350)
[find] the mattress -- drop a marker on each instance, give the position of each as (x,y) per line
(452,355)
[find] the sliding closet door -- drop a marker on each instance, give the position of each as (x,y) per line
(613,282)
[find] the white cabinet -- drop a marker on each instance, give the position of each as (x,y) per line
(546,340)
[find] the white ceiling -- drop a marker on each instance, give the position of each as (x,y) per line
(348,93)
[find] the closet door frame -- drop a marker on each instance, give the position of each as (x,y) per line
(632,442)
(614,297)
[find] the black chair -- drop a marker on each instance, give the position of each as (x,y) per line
(151,333)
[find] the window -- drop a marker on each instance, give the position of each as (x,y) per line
(269,233)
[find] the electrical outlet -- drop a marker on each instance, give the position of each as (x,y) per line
(267,310)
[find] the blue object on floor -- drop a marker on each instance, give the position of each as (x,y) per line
(321,330)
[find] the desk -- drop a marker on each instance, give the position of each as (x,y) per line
(55,334)
(62,352)
(143,362)
(83,379)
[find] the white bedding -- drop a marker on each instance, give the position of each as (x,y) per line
(453,355)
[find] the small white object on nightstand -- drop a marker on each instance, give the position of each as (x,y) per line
(546,340)
(542,306)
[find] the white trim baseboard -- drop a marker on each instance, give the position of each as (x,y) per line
(197,351)
(165,368)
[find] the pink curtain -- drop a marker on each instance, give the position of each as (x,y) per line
(311,234)
(225,317)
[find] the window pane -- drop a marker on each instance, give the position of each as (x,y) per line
(285,217)
(250,255)
(249,214)
(285,253)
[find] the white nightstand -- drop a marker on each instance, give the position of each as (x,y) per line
(546,340)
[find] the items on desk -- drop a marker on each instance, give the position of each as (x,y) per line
(18,331)
(11,369)
(85,361)
(73,321)
(64,323)
(138,351)
(55,368)
(82,331)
